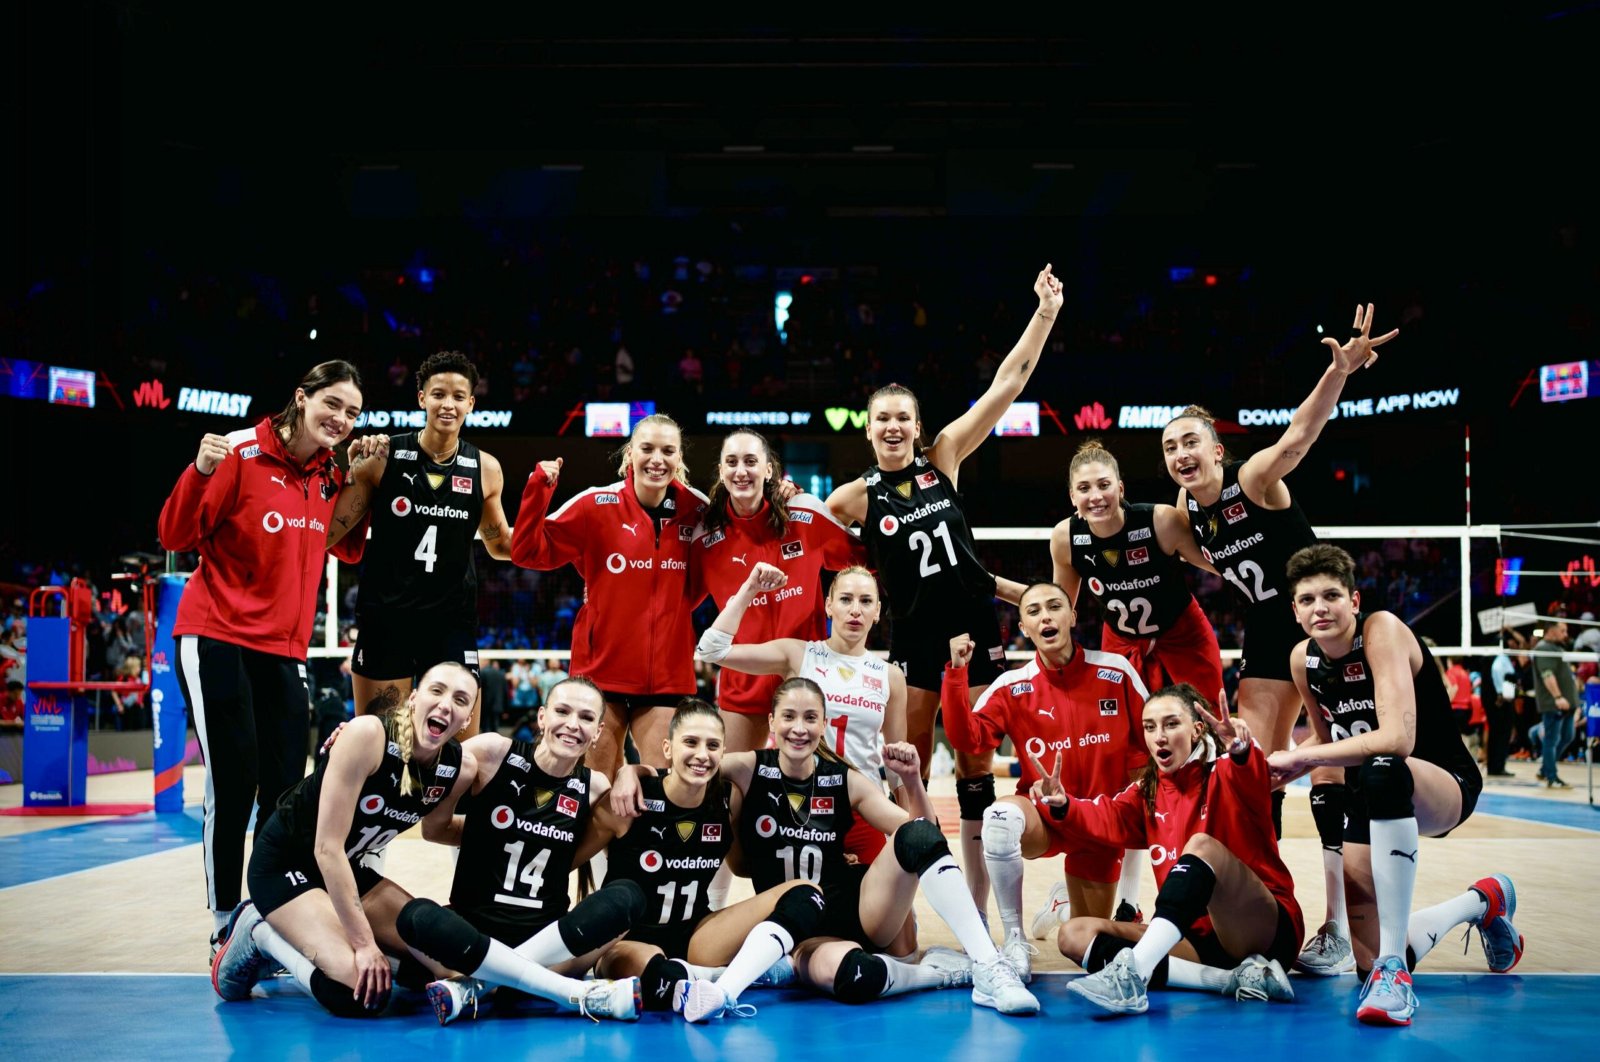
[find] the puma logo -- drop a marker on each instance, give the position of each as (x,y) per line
(518,787)
(630,528)
(395,778)
(1090,560)
(280,481)
(740,559)
(822,671)
(1051,713)
(1411,855)
(1433,938)
(775,798)
(1161,816)
(659,831)
(883,497)
(411,478)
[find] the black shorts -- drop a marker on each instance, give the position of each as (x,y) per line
(843,915)
(672,939)
(920,643)
(631,704)
(1358,824)
(512,932)
(1270,635)
(1285,945)
(278,875)
(398,645)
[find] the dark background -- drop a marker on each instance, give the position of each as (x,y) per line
(1435,166)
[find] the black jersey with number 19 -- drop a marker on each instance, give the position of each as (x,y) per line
(424,519)
(1141,590)
(518,841)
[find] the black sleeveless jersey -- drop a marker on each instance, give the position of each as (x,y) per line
(673,853)
(790,830)
(382,814)
(1250,546)
(518,841)
(919,543)
(1141,590)
(1344,689)
(424,518)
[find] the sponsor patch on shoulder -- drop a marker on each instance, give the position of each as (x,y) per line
(1108,706)
(1019,688)
(871,478)
(394,750)
(467,462)
(766,771)
(253,450)
(713,538)
(826,781)
(519,762)
(1194,506)
(1313,661)
(655,805)
(997,653)
(607,499)
(1080,540)
(405,455)
(1231,490)
(1138,534)
(470,658)
(1110,674)
(577,785)
(444,771)
(669,503)
(800,517)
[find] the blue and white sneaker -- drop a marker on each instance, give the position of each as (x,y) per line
(1116,988)
(1502,944)
(238,963)
(1388,997)
(1259,978)
(779,975)
(701,1000)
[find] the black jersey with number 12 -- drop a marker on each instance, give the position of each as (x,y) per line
(1250,545)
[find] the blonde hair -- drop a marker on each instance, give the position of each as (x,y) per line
(401,730)
(1089,451)
(625,455)
(854,569)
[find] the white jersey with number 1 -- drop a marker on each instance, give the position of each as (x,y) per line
(855,691)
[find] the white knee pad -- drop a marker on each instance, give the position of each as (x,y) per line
(1003,825)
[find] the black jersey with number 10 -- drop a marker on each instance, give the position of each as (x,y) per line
(790,830)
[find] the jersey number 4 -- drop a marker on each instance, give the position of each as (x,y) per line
(921,540)
(428,549)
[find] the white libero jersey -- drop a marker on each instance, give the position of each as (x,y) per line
(855,690)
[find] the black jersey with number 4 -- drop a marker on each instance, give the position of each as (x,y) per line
(673,852)
(790,830)
(382,813)
(518,841)
(919,542)
(1345,692)
(424,518)
(1141,590)
(1249,545)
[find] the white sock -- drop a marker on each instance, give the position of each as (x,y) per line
(721,883)
(1186,973)
(502,966)
(948,896)
(704,973)
(1134,860)
(1160,938)
(1333,885)
(767,943)
(1428,925)
(546,947)
(272,942)
(219,921)
(1394,878)
(909,977)
(972,863)
(1003,827)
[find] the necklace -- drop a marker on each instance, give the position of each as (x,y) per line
(437,459)
(796,797)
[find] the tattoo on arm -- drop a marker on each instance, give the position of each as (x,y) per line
(490,533)
(1291,454)
(1027,365)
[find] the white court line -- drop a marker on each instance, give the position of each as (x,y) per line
(99,866)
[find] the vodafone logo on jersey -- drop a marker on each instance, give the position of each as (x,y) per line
(888,525)
(502,817)
(766,826)
(650,861)
(372,804)
(1096,587)
(272,522)
(616,564)
(400,506)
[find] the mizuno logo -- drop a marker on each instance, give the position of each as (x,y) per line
(1382,761)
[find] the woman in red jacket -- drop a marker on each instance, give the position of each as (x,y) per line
(256,504)
(629,541)
(1226,919)
(748,522)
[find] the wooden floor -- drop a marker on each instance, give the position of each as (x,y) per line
(148,914)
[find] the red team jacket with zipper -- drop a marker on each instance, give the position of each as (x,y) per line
(721,560)
(634,633)
(260,523)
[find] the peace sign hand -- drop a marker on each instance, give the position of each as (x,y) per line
(1048,788)
(1360,351)
(1230,731)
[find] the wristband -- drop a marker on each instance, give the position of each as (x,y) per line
(714,646)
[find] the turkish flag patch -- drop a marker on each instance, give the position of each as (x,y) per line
(567,806)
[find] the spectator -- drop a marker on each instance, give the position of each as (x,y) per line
(553,675)
(492,683)
(11,707)
(524,693)
(1556,690)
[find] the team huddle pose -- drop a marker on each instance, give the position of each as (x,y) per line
(807,775)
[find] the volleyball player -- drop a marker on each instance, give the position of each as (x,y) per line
(1132,556)
(799,803)
(1379,711)
(629,541)
(417,601)
(1247,524)
(749,522)
(531,807)
(1225,916)
(915,527)
(865,694)
(256,504)
(1078,701)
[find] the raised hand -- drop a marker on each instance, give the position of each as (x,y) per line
(213,448)
(764,577)
(1048,287)
(551,469)
(901,758)
(1360,350)
(1047,789)
(1232,732)
(961,649)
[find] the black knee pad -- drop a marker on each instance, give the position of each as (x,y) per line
(441,935)
(862,977)
(1102,949)
(1328,801)
(974,795)
(918,845)
(1277,813)
(1186,892)
(801,911)
(655,983)
(1387,787)
(602,916)
(339,999)
(412,975)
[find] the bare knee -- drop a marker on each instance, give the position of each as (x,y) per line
(1206,847)
(1075,936)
